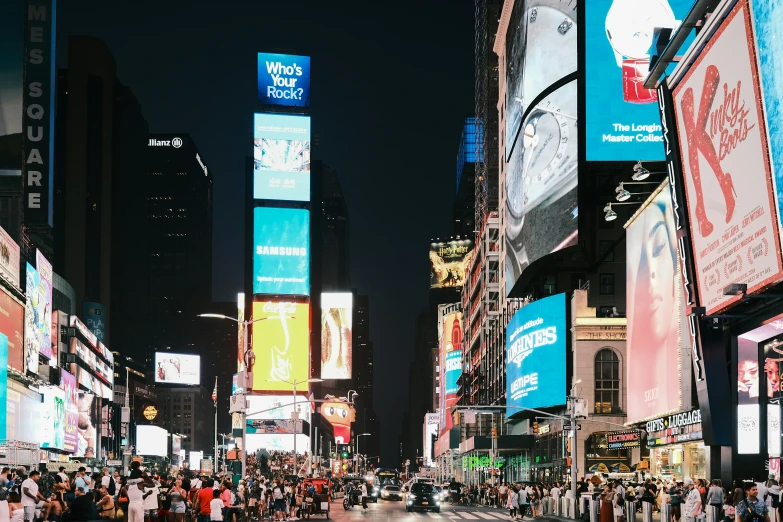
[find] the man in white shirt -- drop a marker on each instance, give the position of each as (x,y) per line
(31,496)
(151,504)
(105,478)
(692,502)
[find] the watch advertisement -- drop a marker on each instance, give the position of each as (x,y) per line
(541,137)
(281,157)
(767,23)
(536,355)
(655,310)
(622,118)
(726,166)
(281,255)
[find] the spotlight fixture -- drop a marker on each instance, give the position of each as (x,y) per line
(622,194)
(639,172)
(611,215)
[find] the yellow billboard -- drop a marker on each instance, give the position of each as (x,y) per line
(281,344)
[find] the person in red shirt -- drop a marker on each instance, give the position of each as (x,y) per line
(203,499)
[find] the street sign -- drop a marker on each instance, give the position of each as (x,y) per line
(567,427)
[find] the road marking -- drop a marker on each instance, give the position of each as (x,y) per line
(433,515)
(465,514)
(485,515)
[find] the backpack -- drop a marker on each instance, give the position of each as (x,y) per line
(751,515)
(620,501)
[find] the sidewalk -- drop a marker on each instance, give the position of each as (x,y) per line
(656,517)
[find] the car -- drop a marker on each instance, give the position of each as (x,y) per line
(390,492)
(442,494)
(423,496)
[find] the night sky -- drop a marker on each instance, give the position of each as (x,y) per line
(391,84)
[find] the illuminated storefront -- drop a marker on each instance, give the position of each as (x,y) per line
(676,447)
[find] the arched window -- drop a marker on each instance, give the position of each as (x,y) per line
(607,382)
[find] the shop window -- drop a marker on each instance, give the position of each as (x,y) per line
(607,382)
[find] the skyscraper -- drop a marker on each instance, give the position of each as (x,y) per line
(335,274)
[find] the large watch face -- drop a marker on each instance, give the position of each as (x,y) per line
(630,25)
(541,49)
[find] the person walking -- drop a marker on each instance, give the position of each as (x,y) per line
(693,506)
(513,503)
(752,508)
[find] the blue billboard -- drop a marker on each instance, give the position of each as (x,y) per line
(622,120)
(453,371)
(281,157)
(281,251)
(536,355)
(284,79)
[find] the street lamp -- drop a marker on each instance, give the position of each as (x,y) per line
(295,416)
(356,449)
(249,359)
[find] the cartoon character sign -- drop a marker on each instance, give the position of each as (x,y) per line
(339,414)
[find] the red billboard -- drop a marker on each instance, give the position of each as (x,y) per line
(12,325)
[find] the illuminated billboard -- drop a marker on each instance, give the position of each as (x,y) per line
(45,272)
(767,21)
(656,310)
(430,431)
(336,335)
(276,407)
(541,134)
(177,368)
(536,355)
(281,157)
(281,344)
(284,79)
(51,428)
(621,120)
(152,440)
(12,325)
(70,388)
(9,252)
(34,320)
(450,356)
(281,251)
(449,263)
(726,166)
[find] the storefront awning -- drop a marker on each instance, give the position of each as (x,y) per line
(599,467)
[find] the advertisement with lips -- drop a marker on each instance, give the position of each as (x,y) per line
(726,166)
(655,309)
(281,344)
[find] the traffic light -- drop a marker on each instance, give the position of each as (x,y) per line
(344,451)
(535,427)
(494,433)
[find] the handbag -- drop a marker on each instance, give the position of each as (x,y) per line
(119,514)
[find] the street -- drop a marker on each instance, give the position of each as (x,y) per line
(396,510)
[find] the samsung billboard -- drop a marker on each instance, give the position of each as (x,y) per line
(281,157)
(281,254)
(284,79)
(536,355)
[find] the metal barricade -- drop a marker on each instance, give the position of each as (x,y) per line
(558,506)
(666,512)
(630,511)
(647,512)
(593,505)
(713,513)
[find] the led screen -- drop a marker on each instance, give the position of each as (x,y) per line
(177,368)
(281,344)
(656,311)
(449,262)
(3,385)
(281,157)
(281,251)
(152,440)
(726,167)
(51,428)
(430,430)
(69,386)
(9,249)
(450,346)
(88,407)
(768,26)
(536,354)
(12,325)
(276,407)
(34,324)
(44,268)
(284,79)
(336,335)
(622,122)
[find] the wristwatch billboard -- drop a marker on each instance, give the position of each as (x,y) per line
(630,28)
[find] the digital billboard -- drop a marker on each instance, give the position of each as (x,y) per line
(281,157)
(276,407)
(95,319)
(3,384)
(281,251)
(69,386)
(536,355)
(34,320)
(655,310)
(336,335)
(430,431)
(12,37)
(622,122)
(88,405)
(726,166)
(281,344)
(450,262)
(52,424)
(9,252)
(177,368)
(152,440)
(450,359)
(44,268)
(767,21)
(284,79)
(12,325)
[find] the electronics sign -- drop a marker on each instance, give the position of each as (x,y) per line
(726,166)
(281,344)
(656,311)
(336,335)
(177,368)
(284,79)
(536,341)
(622,117)
(281,157)
(281,256)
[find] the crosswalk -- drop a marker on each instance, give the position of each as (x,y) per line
(447,516)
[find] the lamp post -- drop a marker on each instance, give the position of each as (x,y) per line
(356,449)
(249,359)
(295,415)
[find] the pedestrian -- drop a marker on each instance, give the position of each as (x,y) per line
(216,506)
(692,501)
(513,503)
(752,508)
